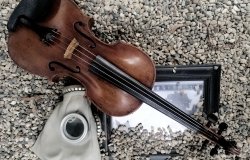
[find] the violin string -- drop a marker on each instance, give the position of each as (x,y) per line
(125,80)
(70,40)
(76,49)
(197,125)
(233,150)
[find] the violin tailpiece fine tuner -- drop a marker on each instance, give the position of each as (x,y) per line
(53,39)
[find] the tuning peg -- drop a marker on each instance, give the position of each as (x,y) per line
(204,144)
(222,127)
(212,119)
(214,150)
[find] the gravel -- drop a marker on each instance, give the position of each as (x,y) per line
(171,32)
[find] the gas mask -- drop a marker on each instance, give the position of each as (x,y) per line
(70,132)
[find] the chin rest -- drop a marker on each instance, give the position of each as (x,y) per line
(35,10)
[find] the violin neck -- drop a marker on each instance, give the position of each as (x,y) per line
(114,75)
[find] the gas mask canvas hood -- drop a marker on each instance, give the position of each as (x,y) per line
(70,132)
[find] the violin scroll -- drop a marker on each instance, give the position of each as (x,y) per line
(230,147)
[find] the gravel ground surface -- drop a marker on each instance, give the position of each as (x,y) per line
(171,32)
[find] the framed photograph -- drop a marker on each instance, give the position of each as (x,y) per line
(183,94)
(186,87)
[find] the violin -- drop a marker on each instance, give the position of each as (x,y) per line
(53,39)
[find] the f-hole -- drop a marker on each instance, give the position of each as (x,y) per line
(77,26)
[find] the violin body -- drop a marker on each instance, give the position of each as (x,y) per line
(29,52)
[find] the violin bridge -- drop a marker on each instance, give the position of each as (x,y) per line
(70,49)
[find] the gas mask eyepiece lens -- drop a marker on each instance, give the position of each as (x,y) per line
(74,127)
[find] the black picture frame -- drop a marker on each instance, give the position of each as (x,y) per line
(210,74)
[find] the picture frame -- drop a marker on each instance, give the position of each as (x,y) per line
(187,77)
(210,74)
